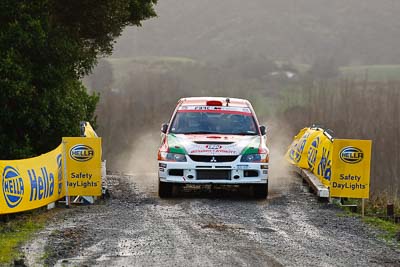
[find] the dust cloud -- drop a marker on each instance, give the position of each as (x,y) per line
(140,161)
(279,137)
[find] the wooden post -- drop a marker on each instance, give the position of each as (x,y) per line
(362,207)
(390,210)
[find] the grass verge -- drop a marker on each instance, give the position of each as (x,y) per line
(390,229)
(17,231)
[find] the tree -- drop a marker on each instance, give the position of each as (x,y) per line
(46,46)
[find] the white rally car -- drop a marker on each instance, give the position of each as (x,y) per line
(213,141)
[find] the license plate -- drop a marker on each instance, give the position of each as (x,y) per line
(242,167)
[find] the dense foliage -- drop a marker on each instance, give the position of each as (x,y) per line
(46,46)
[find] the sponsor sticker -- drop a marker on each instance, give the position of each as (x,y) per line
(213,146)
(215,108)
(312,153)
(351,155)
(13,186)
(81,153)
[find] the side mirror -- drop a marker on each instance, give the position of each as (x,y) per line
(263,130)
(164,127)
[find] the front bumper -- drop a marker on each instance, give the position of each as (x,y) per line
(192,172)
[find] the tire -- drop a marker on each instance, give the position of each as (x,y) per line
(165,190)
(260,191)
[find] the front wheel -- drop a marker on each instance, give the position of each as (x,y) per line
(164,189)
(260,191)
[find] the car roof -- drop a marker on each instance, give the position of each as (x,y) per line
(202,101)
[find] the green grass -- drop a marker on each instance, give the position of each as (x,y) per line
(390,229)
(372,72)
(152,59)
(121,64)
(16,232)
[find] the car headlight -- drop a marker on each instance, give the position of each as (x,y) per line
(255,158)
(172,157)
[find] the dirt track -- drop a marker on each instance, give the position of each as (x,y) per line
(222,228)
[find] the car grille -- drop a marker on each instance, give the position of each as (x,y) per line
(213,175)
(199,158)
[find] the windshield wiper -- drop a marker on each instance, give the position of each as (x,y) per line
(245,133)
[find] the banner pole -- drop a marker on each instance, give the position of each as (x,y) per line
(65,174)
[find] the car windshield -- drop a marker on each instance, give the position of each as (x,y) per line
(212,122)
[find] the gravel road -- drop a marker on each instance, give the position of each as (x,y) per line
(202,228)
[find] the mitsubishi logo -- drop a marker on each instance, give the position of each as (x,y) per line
(213,159)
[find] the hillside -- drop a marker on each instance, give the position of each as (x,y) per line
(351,32)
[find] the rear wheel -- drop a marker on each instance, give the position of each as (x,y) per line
(165,189)
(260,191)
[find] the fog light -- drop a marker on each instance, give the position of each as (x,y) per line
(250,173)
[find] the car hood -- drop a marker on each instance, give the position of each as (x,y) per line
(213,144)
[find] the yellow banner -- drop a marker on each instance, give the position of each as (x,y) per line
(351,162)
(295,150)
(312,149)
(83,159)
(88,130)
(323,157)
(306,142)
(31,183)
